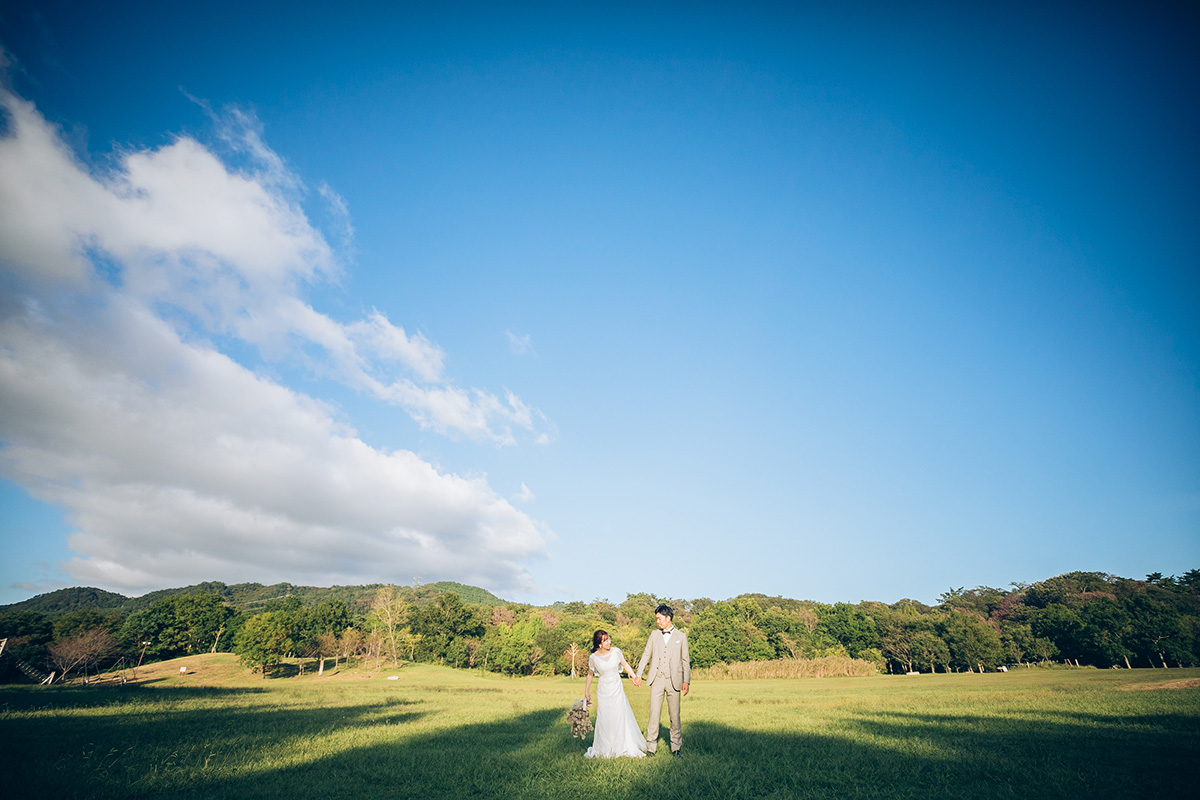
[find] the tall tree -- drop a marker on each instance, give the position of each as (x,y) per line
(727,631)
(390,616)
(929,650)
(972,642)
(849,625)
(443,622)
(1016,641)
(1060,625)
(1105,635)
(265,639)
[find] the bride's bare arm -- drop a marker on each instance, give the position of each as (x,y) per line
(629,671)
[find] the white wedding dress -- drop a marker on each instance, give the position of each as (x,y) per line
(617,732)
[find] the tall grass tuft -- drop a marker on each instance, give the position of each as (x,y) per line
(826,667)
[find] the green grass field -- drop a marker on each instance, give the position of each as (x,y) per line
(220,732)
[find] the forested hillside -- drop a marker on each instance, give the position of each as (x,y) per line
(1080,618)
(240,596)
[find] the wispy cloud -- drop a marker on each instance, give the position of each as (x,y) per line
(520,345)
(174,461)
(339,212)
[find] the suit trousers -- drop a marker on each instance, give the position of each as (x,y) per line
(661,688)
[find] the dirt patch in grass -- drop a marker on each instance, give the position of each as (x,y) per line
(1183,683)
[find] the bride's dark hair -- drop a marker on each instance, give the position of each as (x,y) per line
(597,638)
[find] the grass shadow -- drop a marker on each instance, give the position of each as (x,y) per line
(904,756)
(885,754)
(136,741)
(79,697)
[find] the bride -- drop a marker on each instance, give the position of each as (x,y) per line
(617,732)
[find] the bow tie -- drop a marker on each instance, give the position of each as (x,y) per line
(668,632)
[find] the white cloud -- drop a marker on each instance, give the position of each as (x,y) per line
(377,336)
(176,463)
(232,250)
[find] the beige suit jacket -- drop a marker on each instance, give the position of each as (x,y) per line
(679,662)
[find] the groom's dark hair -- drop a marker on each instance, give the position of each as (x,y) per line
(666,611)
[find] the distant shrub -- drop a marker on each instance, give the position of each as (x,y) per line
(1060,665)
(826,667)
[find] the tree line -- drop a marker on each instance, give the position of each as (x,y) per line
(1079,618)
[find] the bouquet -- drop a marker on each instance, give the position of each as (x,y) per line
(581,722)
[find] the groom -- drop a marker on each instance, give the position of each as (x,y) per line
(670,673)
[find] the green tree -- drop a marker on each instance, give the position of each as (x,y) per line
(1190,580)
(606,611)
(513,649)
(789,634)
(896,642)
(554,640)
(848,625)
(1106,628)
(1156,629)
(179,625)
(727,631)
(1189,650)
(972,642)
(1061,626)
(442,623)
(265,639)
(331,616)
(982,600)
(1071,589)
(28,634)
(928,650)
(898,635)
(1044,649)
(1016,642)
(327,619)
(86,619)
(639,609)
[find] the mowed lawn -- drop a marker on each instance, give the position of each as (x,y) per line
(219,731)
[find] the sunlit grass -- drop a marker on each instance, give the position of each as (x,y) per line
(220,731)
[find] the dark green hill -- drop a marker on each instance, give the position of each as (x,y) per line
(150,598)
(468,594)
(250,597)
(62,601)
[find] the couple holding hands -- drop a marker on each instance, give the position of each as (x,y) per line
(669,674)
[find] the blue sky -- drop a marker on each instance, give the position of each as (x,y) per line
(846,304)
